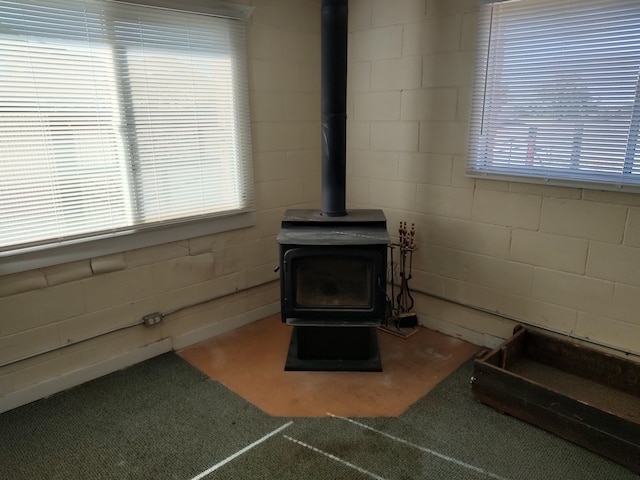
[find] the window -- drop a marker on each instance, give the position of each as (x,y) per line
(557,92)
(118,118)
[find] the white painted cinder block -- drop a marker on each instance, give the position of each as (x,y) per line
(491,185)
(375,44)
(16,346)
(388,194)
(359,14)
(302,47)
(268,222)
(358,190)
(372,164)
(275,76)
(398,11)
(267,107)
(302,107)
(574,291)
(218,241)
(270,166)
(279,193)
(626,304)
(310,77)
(453,69)
(447,7)
(495,273)
(92,324)
(304,163)
(192,294)
(429,104)
(459,177)
(465,99)
(104,291)
(444,200)
(499,274)
(577,218)
(184,271)
(395,73)
(21,282)
(395,136)
(359,77)
(609,332)
(427,168)
(537,312)
(632,231)
(464,317)
(616,263)
(473,237)
(358,135)
(444,137)
(608,196)
(507,209)
(108,263)
(274,136)
(472,294)
(40,307)
(156,253)
(545,190)
(265,42)
(469,36)
(432,35)
(374,106)
(218,328)
(551,251)
(67,272)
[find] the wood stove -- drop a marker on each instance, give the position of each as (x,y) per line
(333,261)
(333,288)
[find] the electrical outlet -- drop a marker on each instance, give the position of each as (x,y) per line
(152,319)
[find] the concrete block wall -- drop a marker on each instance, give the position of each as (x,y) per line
(566,259)
(59,305)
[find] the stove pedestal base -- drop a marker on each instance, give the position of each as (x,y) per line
(334,349)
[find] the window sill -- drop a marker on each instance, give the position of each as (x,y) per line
(31,259)
(556,182)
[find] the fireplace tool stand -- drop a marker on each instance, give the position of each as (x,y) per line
(402,319)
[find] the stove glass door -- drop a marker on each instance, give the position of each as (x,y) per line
(333,281)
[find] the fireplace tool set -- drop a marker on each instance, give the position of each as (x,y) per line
(402,314)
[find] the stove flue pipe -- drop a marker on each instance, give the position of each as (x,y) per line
(334,106)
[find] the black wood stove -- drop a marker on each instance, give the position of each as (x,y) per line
(333,261)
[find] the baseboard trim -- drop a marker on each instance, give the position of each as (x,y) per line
(82,375)
(218,328)
(457,331)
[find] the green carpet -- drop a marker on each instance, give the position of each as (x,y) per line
(163,419)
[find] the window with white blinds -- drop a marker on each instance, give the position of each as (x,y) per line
(117,117)
(557,92)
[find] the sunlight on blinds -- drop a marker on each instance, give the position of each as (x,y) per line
(557,93)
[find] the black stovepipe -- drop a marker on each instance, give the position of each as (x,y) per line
(334,106)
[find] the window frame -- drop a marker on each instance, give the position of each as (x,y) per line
(478,113)
(71,250)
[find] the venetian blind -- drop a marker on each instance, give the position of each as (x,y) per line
(118,117)
(557,92)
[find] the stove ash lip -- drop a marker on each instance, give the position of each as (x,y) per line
(309,227)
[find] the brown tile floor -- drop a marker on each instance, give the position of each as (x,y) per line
(250,361)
